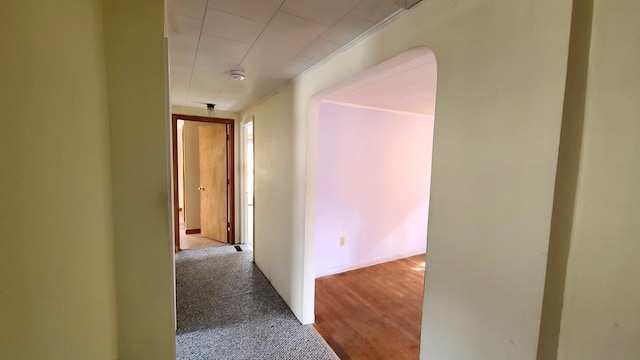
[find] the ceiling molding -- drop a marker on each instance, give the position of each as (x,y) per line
(376,108)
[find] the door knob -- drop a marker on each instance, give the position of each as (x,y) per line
(201,188)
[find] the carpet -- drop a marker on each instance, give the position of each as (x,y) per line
(227,309)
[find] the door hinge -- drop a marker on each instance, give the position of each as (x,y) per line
(227,137)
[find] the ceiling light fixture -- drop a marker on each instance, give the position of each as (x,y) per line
(211,109)
(237,75)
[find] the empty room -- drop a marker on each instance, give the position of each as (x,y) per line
(374,145)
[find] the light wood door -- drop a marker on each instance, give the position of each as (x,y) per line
(213,181)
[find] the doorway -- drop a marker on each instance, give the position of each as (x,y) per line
(203,171)
(247,183)
(368,206)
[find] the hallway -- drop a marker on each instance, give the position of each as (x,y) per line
(227,309)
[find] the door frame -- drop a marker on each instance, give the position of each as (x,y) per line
(230,172)
(243,174)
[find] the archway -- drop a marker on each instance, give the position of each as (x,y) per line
(368,169)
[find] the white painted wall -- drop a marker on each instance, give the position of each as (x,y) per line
(57,282)
(374,171)
(501,71)
(601,313)
(273,248)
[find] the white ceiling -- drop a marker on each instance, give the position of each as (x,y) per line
(406,83)
(272,40)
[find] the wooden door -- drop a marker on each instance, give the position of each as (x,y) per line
(213,181)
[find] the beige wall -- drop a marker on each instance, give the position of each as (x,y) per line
(601,314)
(140,174)
(191,174)
(57,297)
(180,151)
(493,169)
(566,180)
(202,111)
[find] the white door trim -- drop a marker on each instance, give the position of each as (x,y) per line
(243,187)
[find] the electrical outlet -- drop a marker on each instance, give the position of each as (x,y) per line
(341,240)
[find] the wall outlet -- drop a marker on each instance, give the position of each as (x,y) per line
(341,240)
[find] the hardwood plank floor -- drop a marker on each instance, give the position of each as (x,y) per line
(374,312)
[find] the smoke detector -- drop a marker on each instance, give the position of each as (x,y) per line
(237,75)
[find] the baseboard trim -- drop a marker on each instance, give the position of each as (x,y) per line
(192,231)
(354,266)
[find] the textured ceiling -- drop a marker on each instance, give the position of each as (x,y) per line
(271,40)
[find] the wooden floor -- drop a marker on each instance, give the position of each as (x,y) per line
(374,312)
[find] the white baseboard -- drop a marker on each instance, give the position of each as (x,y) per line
(353,266)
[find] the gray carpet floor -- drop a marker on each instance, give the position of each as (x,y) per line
(227,309)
